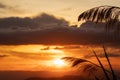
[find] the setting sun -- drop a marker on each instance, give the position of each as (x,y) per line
(59,63)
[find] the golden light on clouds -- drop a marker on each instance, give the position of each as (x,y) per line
(55,51)
(37,49)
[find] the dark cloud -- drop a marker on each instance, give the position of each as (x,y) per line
(46,48)
(72,47)
(47,29)
(65,47)
(37,23)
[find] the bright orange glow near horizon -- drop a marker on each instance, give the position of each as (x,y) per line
(59,63)
(55,51)
(46,57)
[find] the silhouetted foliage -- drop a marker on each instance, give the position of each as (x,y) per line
(89,68)
(108,14)
(74,61)
(103,69)
(106,55)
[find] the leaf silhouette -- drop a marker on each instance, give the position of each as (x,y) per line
(108,14)
(88,66)
(74,61)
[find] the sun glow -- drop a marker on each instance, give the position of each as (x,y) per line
(59,63)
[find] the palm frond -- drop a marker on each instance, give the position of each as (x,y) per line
(74,61)
(108,14)
(88,66)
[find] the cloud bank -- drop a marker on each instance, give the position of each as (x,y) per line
(47,29)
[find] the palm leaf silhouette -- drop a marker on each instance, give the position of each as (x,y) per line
(108,14)
(75,61)
(91,67)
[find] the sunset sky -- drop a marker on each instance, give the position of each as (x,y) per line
(67,9)
(36,34)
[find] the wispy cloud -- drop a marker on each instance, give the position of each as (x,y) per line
(67,9)
(11,9)
(2,5)
(2,56)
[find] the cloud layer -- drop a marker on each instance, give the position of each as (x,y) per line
(47,29)
(42,21)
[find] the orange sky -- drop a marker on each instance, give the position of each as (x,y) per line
(41,57)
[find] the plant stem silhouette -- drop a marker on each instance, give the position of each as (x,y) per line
(106,55)
(106,75)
